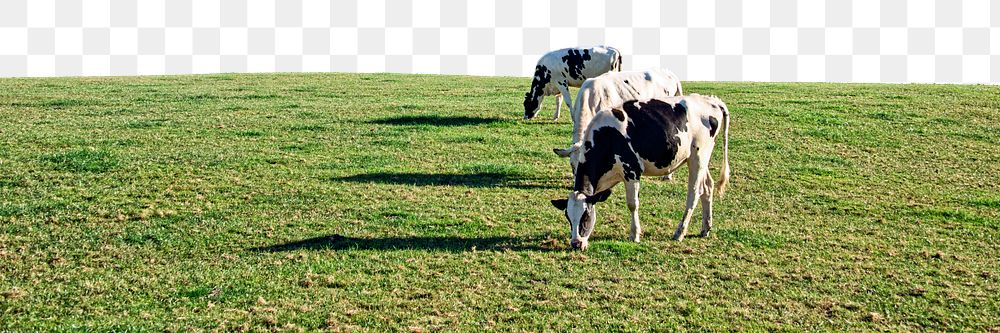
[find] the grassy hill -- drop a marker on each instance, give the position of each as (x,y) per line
(405,202)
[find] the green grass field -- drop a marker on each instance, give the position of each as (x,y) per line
(381,202)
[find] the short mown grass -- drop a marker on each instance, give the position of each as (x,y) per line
(383,202)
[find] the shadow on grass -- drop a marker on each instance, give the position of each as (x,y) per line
(479,179)
(435,120)
(449,244)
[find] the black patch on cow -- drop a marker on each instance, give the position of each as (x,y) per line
(575,63)
(599,197)
(560,204)
(585,223)
(618,114)
(606,143)
(653,128)
(713,125)
(538,82)
(632,170)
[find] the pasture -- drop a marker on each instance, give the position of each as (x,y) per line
(379,202)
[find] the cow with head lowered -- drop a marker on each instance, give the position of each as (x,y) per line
(558,70)
(647,138)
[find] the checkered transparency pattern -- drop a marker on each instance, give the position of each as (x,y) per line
(946,41)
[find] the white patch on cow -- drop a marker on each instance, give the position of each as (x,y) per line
(612,177)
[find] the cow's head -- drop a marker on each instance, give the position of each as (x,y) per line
(579,210)
(533,99)
(532,103)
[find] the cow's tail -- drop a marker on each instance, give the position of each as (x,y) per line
(724,177)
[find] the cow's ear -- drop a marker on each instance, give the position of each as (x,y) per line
(560,203)
(599,197)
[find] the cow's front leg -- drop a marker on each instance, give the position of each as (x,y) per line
(559,103)
(632,200)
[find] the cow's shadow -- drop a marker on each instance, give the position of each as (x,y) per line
(337,242)
(436,120)
(478,179)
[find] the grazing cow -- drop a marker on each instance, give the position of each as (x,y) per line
(611,90)
(556,71)
(648,138)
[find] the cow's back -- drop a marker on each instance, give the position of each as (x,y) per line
(576,65)
(615,88)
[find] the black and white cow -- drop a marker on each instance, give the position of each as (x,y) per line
(650,138)
(558,70)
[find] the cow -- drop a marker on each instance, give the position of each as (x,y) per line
(558,70)
(647,138)
(611,90)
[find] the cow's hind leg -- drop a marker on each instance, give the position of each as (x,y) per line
(559,103)
(632,200)
(706,205)
(697,171)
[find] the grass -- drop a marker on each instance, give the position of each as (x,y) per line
(403,202)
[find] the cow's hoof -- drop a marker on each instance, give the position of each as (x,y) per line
(668,177)
(704,233)
(561,152)
(678,237)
